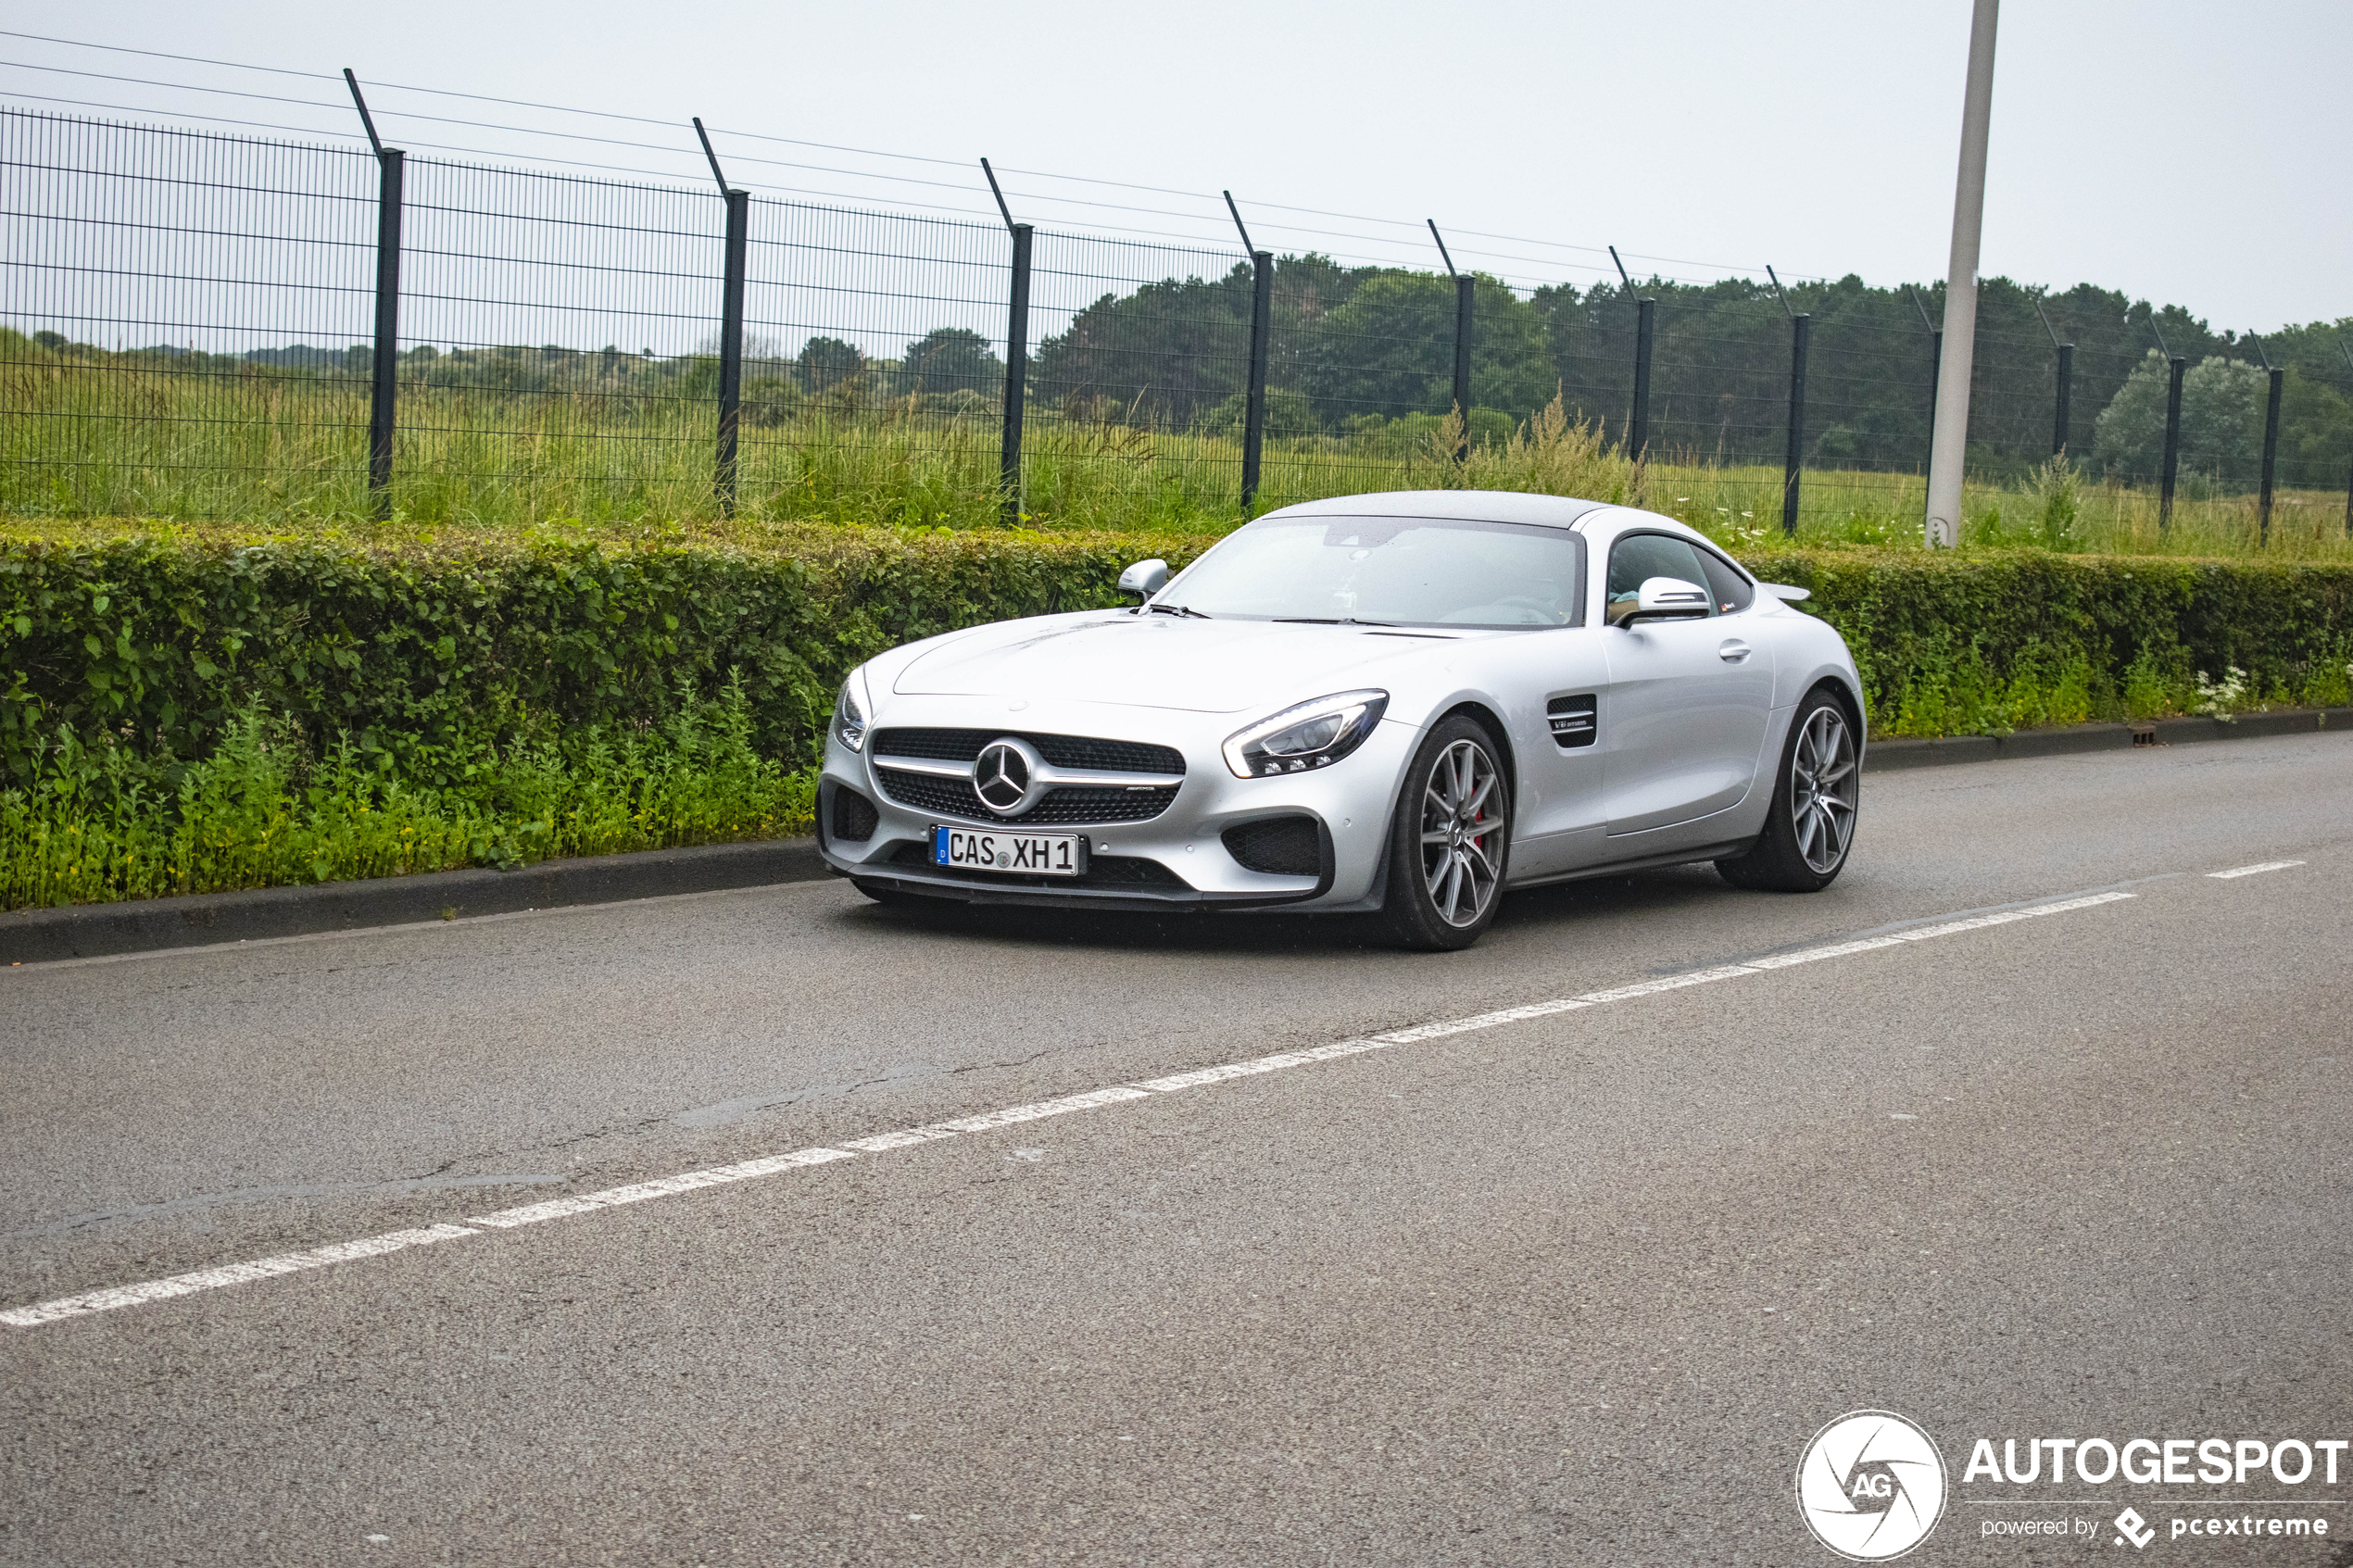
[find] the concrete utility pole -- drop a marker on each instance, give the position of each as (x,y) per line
(1948,444)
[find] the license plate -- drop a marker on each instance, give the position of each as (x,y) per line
(1022,854)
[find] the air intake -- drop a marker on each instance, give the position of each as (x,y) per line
(1278,846)
(854,817)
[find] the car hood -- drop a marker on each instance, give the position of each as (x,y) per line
(1160,661)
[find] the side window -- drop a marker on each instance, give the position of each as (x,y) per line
(1637,558)
(1731,590)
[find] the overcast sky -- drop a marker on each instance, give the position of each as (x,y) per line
(2188,153)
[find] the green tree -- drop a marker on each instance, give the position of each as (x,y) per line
(827,361)
(2316,432)
(1389,350)
(2223,403)
(1161,356)
(949,359)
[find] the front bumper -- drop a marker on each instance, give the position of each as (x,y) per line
(1175,859)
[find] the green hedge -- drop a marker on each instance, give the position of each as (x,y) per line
(431,652)
(428,652)
(1963,642)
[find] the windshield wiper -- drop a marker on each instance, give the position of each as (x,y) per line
(1179,610)
(1326,621)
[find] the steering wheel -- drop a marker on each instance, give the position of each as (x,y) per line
(1523,601)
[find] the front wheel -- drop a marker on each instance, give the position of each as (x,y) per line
(1449,841)
(1815,794)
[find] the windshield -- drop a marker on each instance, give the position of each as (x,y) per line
(1386,570)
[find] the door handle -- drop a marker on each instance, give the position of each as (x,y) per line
(1734,651)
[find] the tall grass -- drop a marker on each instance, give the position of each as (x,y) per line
(100,824)
(283,452)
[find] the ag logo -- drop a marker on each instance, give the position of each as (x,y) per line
(1870,1486)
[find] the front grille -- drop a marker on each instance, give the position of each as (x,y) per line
(1278,846)
(1102,871)
(854,816)
(1062,751)
(1070,803)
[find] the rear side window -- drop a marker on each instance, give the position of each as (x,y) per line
(1730,589)
(1637,558)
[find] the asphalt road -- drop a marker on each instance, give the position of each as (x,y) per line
(1575,1288)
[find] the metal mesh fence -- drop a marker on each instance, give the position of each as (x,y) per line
(874,358)
(189,317)
(559,342)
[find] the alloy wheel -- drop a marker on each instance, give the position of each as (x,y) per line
(1823,790)
(1462,833)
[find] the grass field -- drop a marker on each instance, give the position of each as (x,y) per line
(283,452)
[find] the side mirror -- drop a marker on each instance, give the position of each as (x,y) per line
(1666,598)
(1145,578)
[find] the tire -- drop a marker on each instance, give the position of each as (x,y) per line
(1449,842)
(1817,792)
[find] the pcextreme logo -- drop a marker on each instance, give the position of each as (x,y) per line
(1870,1486)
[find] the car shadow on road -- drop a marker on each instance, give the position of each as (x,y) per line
(1556,911)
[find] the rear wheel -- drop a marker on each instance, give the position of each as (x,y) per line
(1449,841)
(1815,794)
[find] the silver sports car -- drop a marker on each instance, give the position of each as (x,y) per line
(1400,704)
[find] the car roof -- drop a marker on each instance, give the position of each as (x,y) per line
(1470,506)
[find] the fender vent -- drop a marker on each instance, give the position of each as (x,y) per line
(854,817)
(1572,721)
(1278,846)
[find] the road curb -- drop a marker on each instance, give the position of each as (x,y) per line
(1894,755)
(83,931)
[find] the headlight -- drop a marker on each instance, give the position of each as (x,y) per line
(850,713)
(1299,740)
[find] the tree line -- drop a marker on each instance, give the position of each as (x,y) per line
(1354,346)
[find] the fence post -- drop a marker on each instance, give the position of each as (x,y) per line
(731,327)
(1017,354)
(2066,352)
(384,396)
(1800,326)
(731,348)
(1262,299)
(1936,371)
(1639,426)
(1463,285)
(2270,450)
(384,365)
(1462,343)
(1016,373)
(2060,424)
(2172,441)
(1638,416)
(2346,349)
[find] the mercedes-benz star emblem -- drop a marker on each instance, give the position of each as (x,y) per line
(1001,777)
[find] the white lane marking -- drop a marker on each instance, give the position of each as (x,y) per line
(2251,871)
(637,1192)
(230,1273)
(690,1181)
